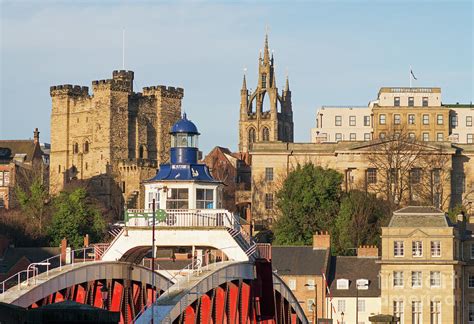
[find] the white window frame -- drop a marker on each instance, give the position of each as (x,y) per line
(341,305)
(439,119)
(439,137)
(338,121)
(366,136)
(417,312)
(417,249)
(398,279)
(361,305)
(411,119)
(426,119)
(310,304)
(435,279)
(470,138)
(382,119)
(366,120)
(436,249)
(426,137)
(352,120)
(398,310)
(435,312)
(292,284)
(397,119)
(416,279)
(338,137)
(398,249)
(310,285)
(352,136)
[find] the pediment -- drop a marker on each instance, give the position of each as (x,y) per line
(418,232)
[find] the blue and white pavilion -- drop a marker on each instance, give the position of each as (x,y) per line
(183,183)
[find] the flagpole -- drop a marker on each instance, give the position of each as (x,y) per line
(123,49)
(409,75)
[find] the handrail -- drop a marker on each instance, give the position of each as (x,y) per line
(49,264)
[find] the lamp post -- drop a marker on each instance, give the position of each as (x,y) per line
(315,314)
(104,292)
(360,283)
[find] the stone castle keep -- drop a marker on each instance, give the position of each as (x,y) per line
(112,139)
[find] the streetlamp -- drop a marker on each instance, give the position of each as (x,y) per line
(315,314)
(360,284)
(104,292)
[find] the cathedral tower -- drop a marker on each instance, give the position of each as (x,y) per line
(265,115)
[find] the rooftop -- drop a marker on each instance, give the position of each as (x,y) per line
(354,268)
(419,216)
(299,260)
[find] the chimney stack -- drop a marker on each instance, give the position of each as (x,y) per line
(368,251)
(321,241)
(36,136)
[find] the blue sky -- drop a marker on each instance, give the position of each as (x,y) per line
(336,53)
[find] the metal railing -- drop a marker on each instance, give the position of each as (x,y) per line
(182,218)
(30,276)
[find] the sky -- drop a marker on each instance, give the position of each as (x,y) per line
(335,53)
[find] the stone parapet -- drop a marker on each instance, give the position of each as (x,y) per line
(163,91)
(68,90)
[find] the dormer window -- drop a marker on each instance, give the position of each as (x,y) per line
(342,284)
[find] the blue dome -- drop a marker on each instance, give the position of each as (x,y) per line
(184,126)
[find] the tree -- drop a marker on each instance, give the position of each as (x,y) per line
(33,203)
(360,218)
(409,171)
(75,216)
(307,202)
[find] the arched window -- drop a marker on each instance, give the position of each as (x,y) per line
(75,148)
(140,154)
(265,134)
(86,147)
(251,137)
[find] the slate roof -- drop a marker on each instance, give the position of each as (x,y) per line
(419,216)
(20,147)
(299,260)
(34,254)
(353,268)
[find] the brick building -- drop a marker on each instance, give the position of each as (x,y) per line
(112,139)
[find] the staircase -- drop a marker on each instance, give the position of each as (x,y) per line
(132,200)
(245,242)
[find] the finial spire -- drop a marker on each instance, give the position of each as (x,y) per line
(266,55)
(287,84)
(244,83)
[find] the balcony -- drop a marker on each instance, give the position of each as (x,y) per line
(182,218)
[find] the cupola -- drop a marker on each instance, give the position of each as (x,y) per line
(184,142)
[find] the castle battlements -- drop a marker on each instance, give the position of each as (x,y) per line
(69,90)
(163,91)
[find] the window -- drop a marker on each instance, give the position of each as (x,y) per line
(454,120)
(361,305)
(204,198)
(439,119)
(455,137)
(396,101)
(470,282)
(352,120)
(177,198)
(472,251)
(153,195)
(265,134)
(435,312)
(366,136)
(398,249)
(411,119)
(382,119)
(436,173)
(341,305)
(397,119)
(342,284)
(2,200)
(398,278)
(311,305)
(416,279)
(86,147)
(411,101)
(470,138)
(4,178)
(426,119)
(425,102)
(440,137)
(435,248)
(268,174)
(416,312)
(352,136)
(292,284)
(75,148)
(417,248)
(366,120)
(338,121)
(310,284)
(426,137)
(382,136)
(435,279)
(268,201)
(411,136)
(251,138)
(398,309)
(264,80)
(469,121)
(415,176)
(471,312)
(338,137)
(371,176)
